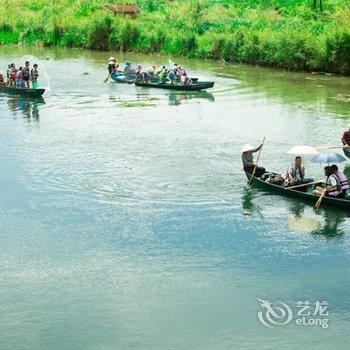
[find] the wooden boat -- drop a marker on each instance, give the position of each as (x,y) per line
(306,196)
(22,91)
(346,151)
(200,85)
(132,79)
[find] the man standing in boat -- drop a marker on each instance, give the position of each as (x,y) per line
(248,160)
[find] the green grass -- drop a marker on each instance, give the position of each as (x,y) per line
(278,33)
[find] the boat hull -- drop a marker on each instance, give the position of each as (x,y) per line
(304,196)
(22,91)
(193,87)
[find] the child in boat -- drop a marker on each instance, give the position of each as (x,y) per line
(19,81)
(26,75)
(34,75)
(2,79)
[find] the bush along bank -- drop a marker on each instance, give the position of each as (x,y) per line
(293,36)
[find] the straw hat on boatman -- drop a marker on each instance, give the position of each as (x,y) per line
(112,64)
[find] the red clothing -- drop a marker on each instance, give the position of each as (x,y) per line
(346,138)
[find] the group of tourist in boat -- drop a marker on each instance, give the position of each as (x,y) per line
(173,74)
(22,77)
(336,183)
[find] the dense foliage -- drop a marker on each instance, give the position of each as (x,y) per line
(280,33)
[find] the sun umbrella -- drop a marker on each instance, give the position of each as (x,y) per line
(328,158)
(303,151)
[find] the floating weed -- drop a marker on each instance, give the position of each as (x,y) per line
(342,98)
(137,104)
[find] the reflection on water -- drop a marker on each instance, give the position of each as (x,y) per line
(332,221)
(304,221)
(248,196)
(177,98)
(29,107)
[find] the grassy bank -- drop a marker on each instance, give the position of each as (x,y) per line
(278,33)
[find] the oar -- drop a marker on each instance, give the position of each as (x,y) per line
(305,184)
(318,203)
(107,78)
(257,161)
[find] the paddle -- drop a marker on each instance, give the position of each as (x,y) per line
(305,184)
(257,161)
(318,203)
(107,78)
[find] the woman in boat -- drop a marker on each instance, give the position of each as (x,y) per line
(172,75)
(128,70)
(248,160)
(2,79)
(152,70)
(13,74)
(342,179)
(334,188)
(34,75)
(162,75)
(26,75)
(141,75)
(19,81)
(8,74)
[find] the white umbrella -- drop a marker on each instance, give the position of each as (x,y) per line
(303,151)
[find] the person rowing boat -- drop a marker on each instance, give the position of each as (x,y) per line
(248,160)
(337,183)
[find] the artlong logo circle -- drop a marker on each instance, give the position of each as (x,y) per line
(274,315)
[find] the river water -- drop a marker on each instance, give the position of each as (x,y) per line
(126,222)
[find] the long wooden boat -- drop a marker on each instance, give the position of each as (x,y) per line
(132,79)
(25,92)
(346,151)
(297,194)
(200,85)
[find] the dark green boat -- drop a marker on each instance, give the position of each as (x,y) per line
(306,196)
(346,151)
(130,79)
(200,85)
(22,91)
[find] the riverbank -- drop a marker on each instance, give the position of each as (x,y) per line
(292,36)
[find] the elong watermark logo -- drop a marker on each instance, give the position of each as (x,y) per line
(303,313)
